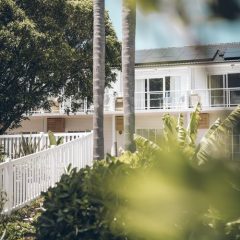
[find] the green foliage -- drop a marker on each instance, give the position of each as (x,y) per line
(3,200)
(146,150)
(21,223)
(26,146)
(166,197)
(175,132)
(158,192)
(76,207)
(192,128)
(214,143)
(52,139)
(44,50)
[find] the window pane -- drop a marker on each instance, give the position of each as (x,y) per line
(217,93)
(167,83)
(234,82)
(216,81)
(156,84)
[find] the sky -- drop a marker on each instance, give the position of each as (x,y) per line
(164,29)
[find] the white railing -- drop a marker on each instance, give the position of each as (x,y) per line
(24,179)
(173,99)
(161,100)
(11,143)
(218,97)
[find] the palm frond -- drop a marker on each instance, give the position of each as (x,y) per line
(52,139)
(144,144)
(215,140)
(210,131)
(192,128)
(169,127)
(181,131)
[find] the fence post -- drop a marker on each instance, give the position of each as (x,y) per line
(53,167)
(42,141)
(9,184)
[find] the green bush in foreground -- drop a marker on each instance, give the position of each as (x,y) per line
(166,197)
(77,208)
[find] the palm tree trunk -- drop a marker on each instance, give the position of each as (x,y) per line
(98,78)
(128,71)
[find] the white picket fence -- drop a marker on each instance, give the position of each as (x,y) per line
(10,143)
(24,179)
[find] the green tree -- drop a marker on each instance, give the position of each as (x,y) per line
(128,71)
(98,78)
(46,46)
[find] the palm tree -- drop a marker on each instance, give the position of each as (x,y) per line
(98,78)
(128,71)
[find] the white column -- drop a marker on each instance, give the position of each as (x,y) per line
(114,141)
(188,118)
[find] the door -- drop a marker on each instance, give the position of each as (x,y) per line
(216,90)
(162,92)
(234,89)
(155,93)
(173,97)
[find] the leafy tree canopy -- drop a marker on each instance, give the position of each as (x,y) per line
(45,46)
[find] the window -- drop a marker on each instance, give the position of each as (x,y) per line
(154,93)
(157,93)
(216,83)
(224,89)
(234,89)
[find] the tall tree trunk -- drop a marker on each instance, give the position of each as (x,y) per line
(128,71)
(98,78)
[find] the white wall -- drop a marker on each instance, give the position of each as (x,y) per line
(78,123)
(32,125)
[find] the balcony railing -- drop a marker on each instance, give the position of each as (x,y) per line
(179,100)
(160,100)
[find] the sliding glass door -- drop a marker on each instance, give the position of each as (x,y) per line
(157,93)
(216,85)
(154,93)
(234,89)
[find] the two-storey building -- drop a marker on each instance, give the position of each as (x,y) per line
(168,80)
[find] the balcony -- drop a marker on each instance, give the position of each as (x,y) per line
(159,100)
(183,100)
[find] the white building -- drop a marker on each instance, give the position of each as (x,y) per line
(168,80)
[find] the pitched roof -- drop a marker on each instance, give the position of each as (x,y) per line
(219,53)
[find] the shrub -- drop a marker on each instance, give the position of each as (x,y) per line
(21,223)
(78,207)
(26,146)
(3,199)
(167,197)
